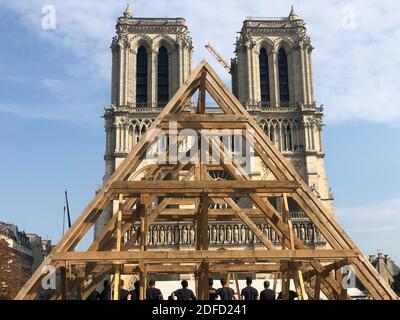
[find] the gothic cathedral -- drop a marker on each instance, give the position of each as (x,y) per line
(271,76)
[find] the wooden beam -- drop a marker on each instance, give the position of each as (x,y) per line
(197,255)
(197,187)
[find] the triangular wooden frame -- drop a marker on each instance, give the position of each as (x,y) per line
(307,267)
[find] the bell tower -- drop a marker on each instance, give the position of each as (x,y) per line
(151,58)
(273,78)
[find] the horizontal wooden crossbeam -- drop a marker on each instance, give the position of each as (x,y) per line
(203,121)
(195,188)
(201,255)
(191,268)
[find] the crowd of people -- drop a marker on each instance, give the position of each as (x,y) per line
(184,293)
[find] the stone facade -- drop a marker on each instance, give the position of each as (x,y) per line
(385,266)
(19,251)
(127,119)
(295,126)
(40,249)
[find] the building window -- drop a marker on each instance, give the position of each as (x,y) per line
(163,77)
(141,76)
(287,139)
(264,77)
(283,76)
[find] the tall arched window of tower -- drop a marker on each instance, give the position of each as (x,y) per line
(163,77)
(283,76)
(141,76)
(264,77)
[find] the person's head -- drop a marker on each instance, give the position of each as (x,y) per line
(184,284)
(223,282)
(105,284)
(152,283)
(137,285)
(266,284)
(210,282)
(249,281)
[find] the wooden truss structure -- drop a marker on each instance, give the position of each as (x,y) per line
(166,187)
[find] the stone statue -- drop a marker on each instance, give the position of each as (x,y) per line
(236,234)
(310,233)
(177,237)
(266,231)
(169,235)
(214,234)
(296,230)
(221,234)
(273,235)
(162,235)
(155,235)
(192,235)
(184,235)
(229,234)
(250,236)
(243,234)
(302,232)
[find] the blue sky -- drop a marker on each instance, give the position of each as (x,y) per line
(55,83)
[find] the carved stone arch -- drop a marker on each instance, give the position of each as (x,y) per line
(262,122)
(135,122)
(163,40)
(274,122)
(266,43)
(287,123)
(147,123)
(284,43)
(143,40)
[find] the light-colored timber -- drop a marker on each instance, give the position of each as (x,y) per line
(143,202)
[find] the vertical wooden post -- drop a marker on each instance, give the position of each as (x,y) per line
(202,244)
(288,221)
(299,281)
(143,205)
(276,275)
(201,107)
(285,284)
(142,281)
(301,284)
(145,200)
(117,274)
(237,286)
(63,275)
(317,289)
(339,278)
(286,243)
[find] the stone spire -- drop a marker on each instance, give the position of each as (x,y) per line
(128,13)
(293,15)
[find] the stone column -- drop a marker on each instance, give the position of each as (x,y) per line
(310,74)
(122,73)
(274,78)
(248,75)
(303,75)
(180,65)
(153,78)
(290,62)
(256,76)
(131,87)
(115,73)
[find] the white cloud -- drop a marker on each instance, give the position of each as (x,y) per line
(354,69)
(376,227)
(387,212)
